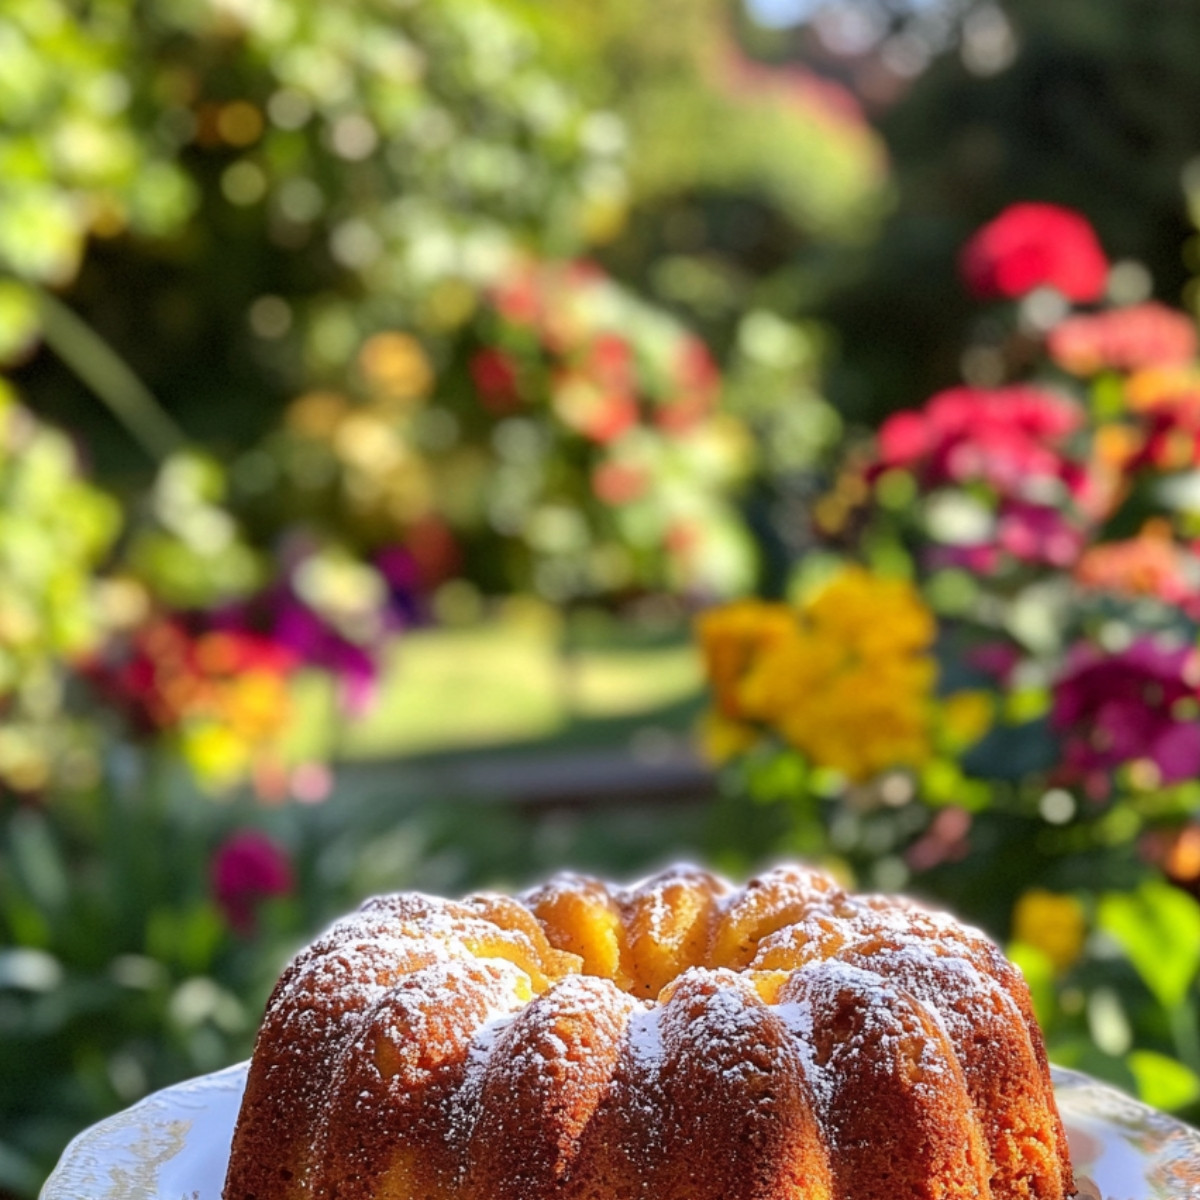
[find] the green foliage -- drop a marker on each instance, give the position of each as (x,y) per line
(55,530)
(121,971)
(107,984)
(1076,103)
(1162,1082)
(286,230)
(188,549)
(340,169)
(74,156)
(1158,928)
(704,118)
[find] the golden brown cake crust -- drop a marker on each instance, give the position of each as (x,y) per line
(679,1039)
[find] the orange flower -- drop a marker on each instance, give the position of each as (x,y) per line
(1150,564)
(395,366)
(1173,388)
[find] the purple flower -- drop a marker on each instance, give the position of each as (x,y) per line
(1139,703)
(248,868)
(317,643)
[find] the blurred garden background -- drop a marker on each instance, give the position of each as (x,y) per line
(446,441)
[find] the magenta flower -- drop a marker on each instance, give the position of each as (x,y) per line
(317,642)
(1036,534)
(248,868)
(1139,703)
(1039,533)
(1035,245)
(1006,437)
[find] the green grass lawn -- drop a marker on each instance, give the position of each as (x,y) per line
(504,683)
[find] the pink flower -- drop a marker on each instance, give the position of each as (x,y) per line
(596,412)
(997,659)
(1039,533)
(519,298)
(248,868)
(1034,245)
(1123,339)
(610,362)
(1006,437)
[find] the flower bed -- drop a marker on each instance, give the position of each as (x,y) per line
(985,686)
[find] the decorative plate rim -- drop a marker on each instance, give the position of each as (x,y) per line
(173,1144)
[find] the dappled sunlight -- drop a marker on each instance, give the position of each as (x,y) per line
(445,443)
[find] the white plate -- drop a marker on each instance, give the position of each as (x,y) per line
(174,1145)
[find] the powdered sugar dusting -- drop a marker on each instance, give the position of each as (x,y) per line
(876,989)
(881,1032)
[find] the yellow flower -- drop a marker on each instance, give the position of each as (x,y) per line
(316,415)
(871,615)
(1052,923)
(218,756)
(731,639)
(847,678)
(1152,386)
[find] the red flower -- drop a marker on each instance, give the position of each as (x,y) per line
(495,377)
(247,869)
(696,369)
(1168,401)
(1171,442)
(1123,339)
(164,672)
(1033,245)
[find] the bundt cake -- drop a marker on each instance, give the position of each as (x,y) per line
(680,1039)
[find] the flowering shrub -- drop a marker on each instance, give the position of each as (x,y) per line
(221,696)
(1043,521)
(847,677)
(168,628)
(616,466)
(571,443)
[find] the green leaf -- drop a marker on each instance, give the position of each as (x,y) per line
(1161,1081)
(1158,927)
